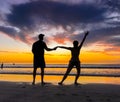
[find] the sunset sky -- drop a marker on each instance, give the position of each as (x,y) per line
(62,21)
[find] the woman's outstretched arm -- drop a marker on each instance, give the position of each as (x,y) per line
(63,47)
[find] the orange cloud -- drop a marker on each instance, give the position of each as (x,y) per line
(61,38)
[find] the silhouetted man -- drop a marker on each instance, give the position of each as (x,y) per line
(74,61)
(38,51)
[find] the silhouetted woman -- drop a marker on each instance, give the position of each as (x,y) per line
(74,61)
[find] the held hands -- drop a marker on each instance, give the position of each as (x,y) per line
(55,48)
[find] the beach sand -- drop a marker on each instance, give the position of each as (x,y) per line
(25,92)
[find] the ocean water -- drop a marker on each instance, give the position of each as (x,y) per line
(90,73)
(58,69)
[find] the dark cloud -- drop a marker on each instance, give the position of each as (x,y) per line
(114,5)
(55,13)
(14,33)
(115,41)
(32,16)
(104,35)
(8,30)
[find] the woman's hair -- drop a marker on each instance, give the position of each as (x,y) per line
(75,43)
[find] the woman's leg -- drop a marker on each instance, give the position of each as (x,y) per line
(70,66)
(78,68)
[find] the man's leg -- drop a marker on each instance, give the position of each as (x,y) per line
(42,75)
(34,75)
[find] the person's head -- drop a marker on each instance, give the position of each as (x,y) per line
(41,36)
(75,43)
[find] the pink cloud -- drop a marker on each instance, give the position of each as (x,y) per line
(61,38)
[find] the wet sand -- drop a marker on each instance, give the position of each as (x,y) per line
(25,92)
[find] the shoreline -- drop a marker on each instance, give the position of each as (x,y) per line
(56,79)
(25,92)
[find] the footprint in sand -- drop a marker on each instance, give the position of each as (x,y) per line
(88,99)
(60,94)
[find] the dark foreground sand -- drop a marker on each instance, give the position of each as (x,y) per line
(25,92)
